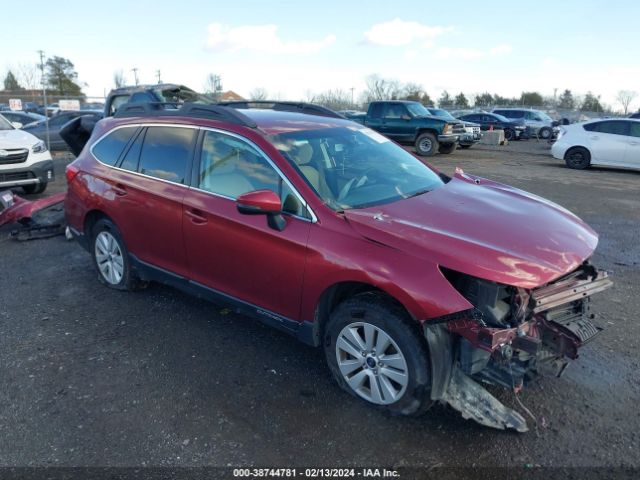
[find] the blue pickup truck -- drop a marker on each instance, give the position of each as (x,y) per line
(410,123)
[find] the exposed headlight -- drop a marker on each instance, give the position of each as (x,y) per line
(448,128)
(39,147)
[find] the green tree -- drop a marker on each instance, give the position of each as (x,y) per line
(60,77)
(445,100)
(412,91)
(532,99)
(483,100)
(566,100)
(11,83)
(426,99)
(461,101)
(591,103)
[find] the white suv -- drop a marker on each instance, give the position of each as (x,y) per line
(25,160)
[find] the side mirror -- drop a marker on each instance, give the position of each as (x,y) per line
(16,124)
(262,202)
(406,117)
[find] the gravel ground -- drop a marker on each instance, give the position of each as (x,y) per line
(95,377)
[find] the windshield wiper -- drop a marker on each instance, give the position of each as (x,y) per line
(419,192)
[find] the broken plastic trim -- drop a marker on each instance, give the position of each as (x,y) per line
(450,385)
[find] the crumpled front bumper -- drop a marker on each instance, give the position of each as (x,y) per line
(464,350)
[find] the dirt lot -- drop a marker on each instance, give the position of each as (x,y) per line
(97,377)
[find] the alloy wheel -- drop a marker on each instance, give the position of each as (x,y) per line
(371,363)
(109,257)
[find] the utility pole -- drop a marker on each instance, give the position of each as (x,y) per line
(158,75)
(44,97)
(135,74)
(352,89)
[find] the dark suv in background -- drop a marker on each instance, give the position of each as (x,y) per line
(417,285)
(513,129)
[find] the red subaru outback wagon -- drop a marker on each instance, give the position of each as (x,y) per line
(418,286)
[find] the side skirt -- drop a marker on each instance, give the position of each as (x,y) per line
(303,331)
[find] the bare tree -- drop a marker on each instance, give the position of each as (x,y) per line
(213,85)
(119,80)
(29,75)
(258,94)
(336,99)
(379,88)
(625,97)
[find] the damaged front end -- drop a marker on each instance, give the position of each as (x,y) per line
(40,218)
(511,336)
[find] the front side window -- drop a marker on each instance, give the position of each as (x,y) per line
(166,151)
(108,149)
(355,167)
(634,128)
(230,167)
(395,110)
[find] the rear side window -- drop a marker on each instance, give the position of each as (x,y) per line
(509,113)
(132,156)
(634,129)
(611,126)
(108,149)
(376,110)
(166,151)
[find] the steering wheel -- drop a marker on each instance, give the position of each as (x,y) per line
(356,182)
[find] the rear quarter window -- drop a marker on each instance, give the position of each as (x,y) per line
(109,148)
(166,152)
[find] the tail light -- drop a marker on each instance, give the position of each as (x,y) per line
(71,172)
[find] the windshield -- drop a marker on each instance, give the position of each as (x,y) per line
(5,124)
(418,109)
(438,112)
(355,167)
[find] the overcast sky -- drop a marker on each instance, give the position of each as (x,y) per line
(292,47)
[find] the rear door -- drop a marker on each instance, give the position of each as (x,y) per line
(148,188)
(632,154)
(240,255)
(608,141)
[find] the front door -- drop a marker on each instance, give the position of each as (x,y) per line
(396,123)
(240,255)
(608,141)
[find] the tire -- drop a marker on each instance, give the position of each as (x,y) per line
(465,146)
(402,388)
(106,240)
(33,189)
(545,133)
(447,148)
(577,158)
(509,134)
(427,144)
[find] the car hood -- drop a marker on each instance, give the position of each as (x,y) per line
(16,139)
(482,228)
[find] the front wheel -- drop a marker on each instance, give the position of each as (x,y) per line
(376,354)
(448,148)
(426,144)
(33,189)
(545,133)
(509,134)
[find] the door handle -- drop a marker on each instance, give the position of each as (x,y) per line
(119,189)
(594,137)
(196,216)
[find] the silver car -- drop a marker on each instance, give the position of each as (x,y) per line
(537,121)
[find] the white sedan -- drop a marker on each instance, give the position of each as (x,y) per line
(609,142)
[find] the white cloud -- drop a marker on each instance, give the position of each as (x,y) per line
(259,38)
(396,33)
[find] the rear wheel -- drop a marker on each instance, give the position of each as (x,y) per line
(447,148)
(577,158)
(35,188)
(110,257)
(426,144)
(376,354)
